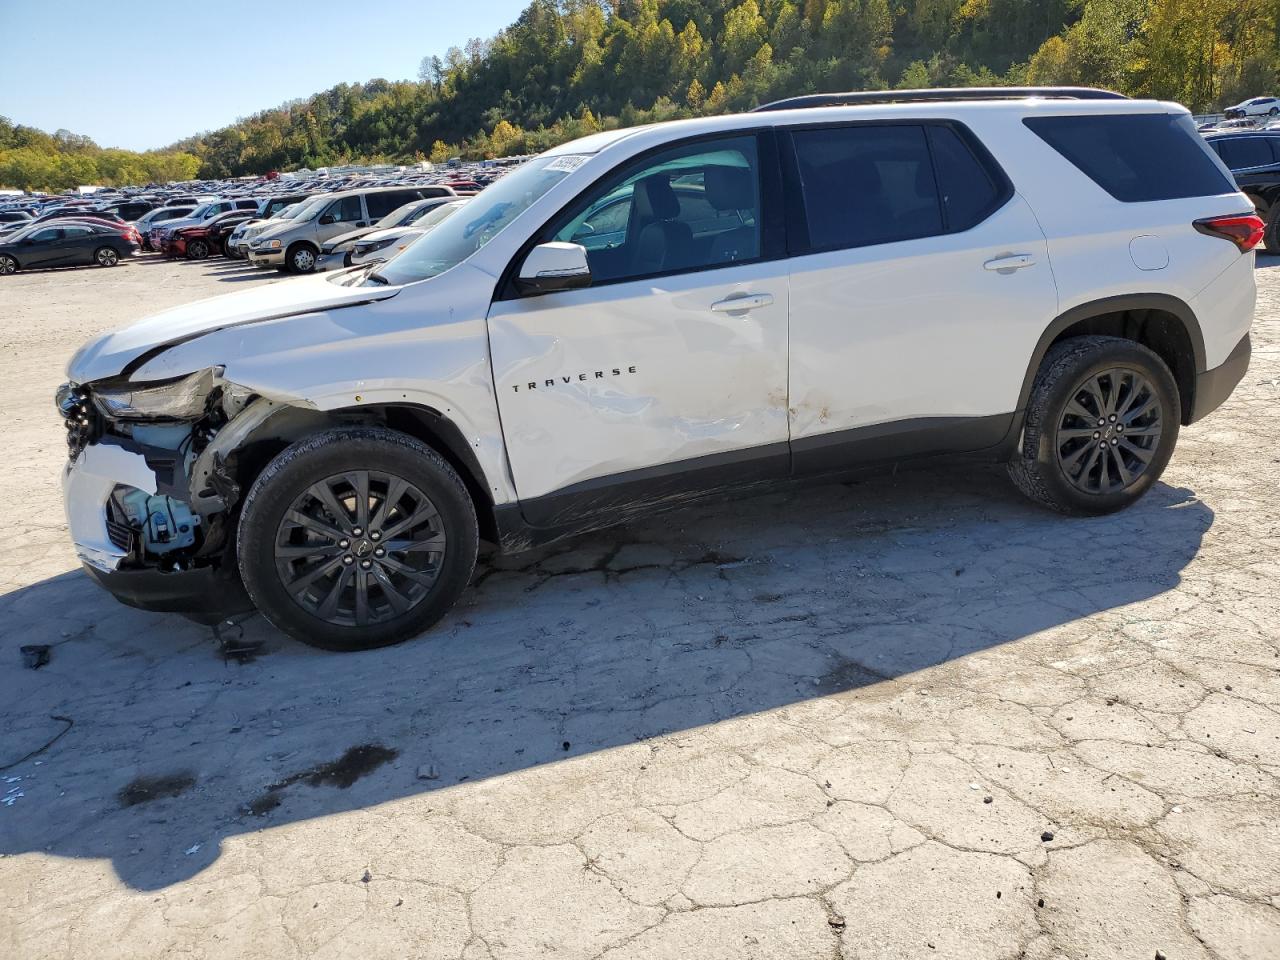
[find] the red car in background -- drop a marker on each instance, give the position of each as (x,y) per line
(196,243)
(126,230)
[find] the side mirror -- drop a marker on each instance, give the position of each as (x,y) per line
(554,266)
(326,219)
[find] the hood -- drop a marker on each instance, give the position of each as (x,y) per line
(279,229)
(390,233)
(349,237)
(110,354)
(172,225)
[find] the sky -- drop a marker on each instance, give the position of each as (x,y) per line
(141,74)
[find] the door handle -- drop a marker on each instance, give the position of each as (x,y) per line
(1010,263)
(741,304)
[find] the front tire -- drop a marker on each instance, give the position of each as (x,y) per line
(357,537)
(300,259)
(197,250)
(1100,427)
(106,257)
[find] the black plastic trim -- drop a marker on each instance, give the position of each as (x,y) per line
(203,594)
(606,501)
(937,94)
(1120,304)
(1214,386)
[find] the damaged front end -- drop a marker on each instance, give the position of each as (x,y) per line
(150,491)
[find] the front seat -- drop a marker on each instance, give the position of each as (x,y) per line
(662,243)
(733,188)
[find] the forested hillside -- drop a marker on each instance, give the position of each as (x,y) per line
(568,67)
(32,159)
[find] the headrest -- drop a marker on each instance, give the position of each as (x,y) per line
(655,193)
(729,188)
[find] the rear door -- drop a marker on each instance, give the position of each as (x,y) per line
(79,244)
(920,283)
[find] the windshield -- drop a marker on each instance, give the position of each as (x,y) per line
(479,221)
(200,212)
(310,208)
(400,215)
(286,213)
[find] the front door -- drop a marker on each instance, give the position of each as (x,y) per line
(667,377)
(917,297)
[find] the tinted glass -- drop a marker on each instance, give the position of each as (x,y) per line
(45,236)
(380,204)
(346,210)
(689,208)
(1241,152)
(968,191)
(1136,157)
(867,184)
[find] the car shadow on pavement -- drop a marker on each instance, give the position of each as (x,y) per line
(161,748)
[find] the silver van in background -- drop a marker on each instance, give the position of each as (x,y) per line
(294,244)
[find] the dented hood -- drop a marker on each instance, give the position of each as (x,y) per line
(110,354)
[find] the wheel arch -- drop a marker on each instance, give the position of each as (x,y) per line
(1161,322)
(423,423)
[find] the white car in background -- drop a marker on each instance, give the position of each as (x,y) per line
(1254,107)
(384,244)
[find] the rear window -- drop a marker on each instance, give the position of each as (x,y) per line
(1239,153)
(1136,157)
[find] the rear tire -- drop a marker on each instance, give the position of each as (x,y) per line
(1101,425)
(106,257)
(8,265)
(341,578)
(1271,236)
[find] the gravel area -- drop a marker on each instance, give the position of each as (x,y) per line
(898,718)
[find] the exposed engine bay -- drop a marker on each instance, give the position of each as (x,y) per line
(185,442)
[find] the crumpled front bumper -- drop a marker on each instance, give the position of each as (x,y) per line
(87,483)
(206,594)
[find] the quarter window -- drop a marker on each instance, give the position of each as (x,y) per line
(693,207)
(1136,157)
(867,184)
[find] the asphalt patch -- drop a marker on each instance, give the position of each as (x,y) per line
(146,789)
(357,762)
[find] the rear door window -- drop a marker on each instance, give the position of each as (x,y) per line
(1240,153)
(867,184)
(380,204)
(1136,157)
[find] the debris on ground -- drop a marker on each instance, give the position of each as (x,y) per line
(35,655)
(428,772)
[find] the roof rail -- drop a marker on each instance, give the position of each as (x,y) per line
(857,97)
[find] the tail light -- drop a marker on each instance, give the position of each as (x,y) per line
(1245,232)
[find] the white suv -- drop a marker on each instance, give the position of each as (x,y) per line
(1054,278)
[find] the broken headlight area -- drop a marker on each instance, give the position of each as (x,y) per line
(183,399)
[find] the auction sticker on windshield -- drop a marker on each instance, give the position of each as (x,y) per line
(567,163)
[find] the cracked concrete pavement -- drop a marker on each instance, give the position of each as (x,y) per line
(895,718)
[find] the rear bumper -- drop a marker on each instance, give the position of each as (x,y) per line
(1214,386)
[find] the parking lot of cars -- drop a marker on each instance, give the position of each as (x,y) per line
(293,218)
